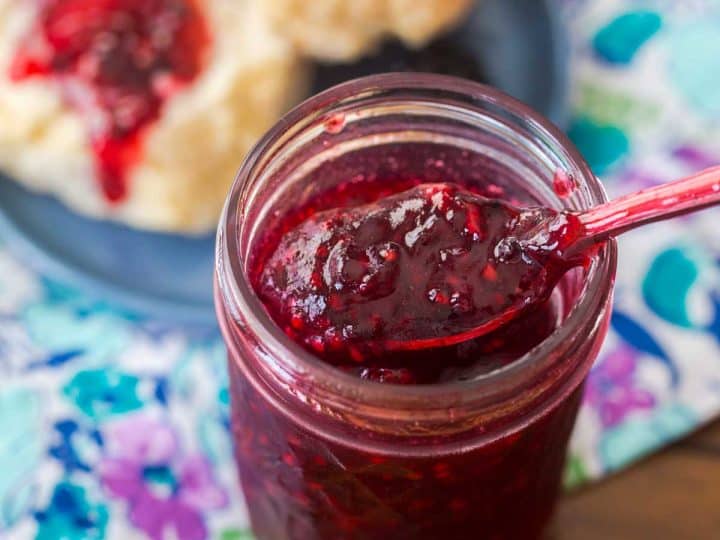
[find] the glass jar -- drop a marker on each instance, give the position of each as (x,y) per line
(326,455)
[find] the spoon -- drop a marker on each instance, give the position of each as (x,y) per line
(438,265)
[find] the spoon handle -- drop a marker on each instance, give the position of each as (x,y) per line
(653,204)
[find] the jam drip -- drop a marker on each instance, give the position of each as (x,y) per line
(433,261)
(117,62)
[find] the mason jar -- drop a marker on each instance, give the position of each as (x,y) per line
(323,454)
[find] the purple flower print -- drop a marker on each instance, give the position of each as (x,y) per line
(165,491)
(611,388)
(695,158)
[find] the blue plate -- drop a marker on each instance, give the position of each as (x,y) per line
(518,46)
(161,275)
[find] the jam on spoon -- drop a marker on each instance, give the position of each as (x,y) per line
(438,265)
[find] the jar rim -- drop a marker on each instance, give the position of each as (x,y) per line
(239,293)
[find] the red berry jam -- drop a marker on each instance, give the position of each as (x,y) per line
(299,486)
(400,205)
(364,260)
(117,62)
(430,264)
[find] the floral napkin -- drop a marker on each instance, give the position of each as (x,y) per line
(646,96)
(117,428)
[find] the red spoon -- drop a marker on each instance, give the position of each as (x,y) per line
(437,265)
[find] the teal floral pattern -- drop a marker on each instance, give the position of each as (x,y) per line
(603,145)
(630,440)
(620,40)
(71,516)
(113,426)
(646,111)
(99,393)
(21,451)
(116,427)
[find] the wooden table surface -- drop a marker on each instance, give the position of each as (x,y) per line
(672,495)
